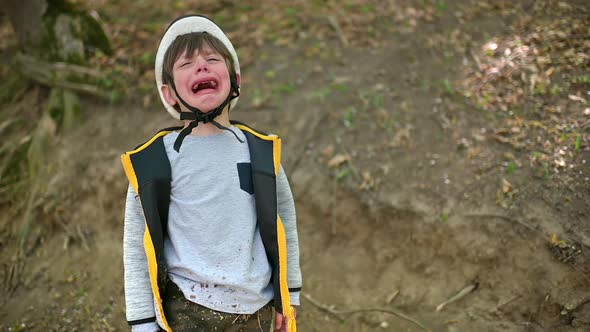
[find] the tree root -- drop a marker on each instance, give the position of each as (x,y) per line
(60,75)
(462,293)
(501,217)
(338,313)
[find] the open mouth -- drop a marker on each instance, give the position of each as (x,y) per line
(205,85)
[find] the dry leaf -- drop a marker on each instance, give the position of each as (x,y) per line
(402,135)
(555,241)
(577,98)
(559,162)
(338,160)
(328,150)
(506,186)
(368,181)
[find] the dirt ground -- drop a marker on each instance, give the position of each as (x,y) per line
(406,191)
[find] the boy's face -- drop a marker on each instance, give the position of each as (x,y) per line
(201,79)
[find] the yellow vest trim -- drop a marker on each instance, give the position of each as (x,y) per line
(288,311)
(153,271)
(276,145)
(128,166)
(130,172)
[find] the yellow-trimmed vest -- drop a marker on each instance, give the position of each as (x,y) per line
(148,170)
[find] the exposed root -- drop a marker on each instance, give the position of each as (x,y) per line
(338,313)
(462,293)
(501,217)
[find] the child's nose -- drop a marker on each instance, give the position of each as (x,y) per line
(202,65)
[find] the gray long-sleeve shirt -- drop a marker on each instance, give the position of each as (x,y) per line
(214,250)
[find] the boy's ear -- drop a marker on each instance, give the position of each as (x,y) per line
(239,81)
(169,95)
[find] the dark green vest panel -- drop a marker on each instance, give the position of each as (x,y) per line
(154,175)
(264,180)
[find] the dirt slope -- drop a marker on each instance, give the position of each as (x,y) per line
(404,194)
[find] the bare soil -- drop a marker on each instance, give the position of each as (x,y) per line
(404,197)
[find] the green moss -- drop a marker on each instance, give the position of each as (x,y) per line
(93,35)
(10,86)
(83,26)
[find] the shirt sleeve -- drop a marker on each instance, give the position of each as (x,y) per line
(138,292)
(286,209)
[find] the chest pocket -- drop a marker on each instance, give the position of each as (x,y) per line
(245,174)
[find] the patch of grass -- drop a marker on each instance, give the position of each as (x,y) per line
(292,19)
(388,124)
(367,9)
(220,18)
(19,327)
(322,93)
(285,88)
(510,167)
(483,103)
(340,87)
(425,85)
(12,85)
(257,96)
(82,292)
(444,217)
(441,5)
(378,101)
(270,74)
(290,11)
(581,79)
(541,88)
(546,171)
(244,6)
(148,58)
(342,174)
(349,116)
(555,90)
(578,143)
(448,54)
(116,97)
(447,87)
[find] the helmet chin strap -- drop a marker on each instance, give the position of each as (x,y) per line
(198,116)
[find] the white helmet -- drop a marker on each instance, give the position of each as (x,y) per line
(184,25)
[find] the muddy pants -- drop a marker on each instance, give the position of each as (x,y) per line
(186,316)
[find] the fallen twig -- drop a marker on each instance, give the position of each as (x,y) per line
(462,293)
(476,59)
(337,313)
(392,297)
(502,217)
(336,26)
(514,298)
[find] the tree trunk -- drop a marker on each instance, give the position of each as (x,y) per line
(55,30)
(25,17)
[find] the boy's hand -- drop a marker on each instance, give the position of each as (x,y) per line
(281,322)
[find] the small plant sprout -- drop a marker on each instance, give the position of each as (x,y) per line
(510,167)
(349,116)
